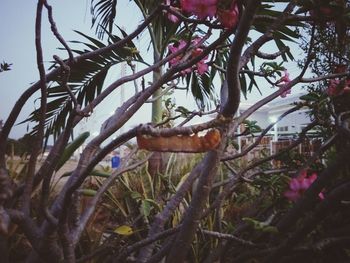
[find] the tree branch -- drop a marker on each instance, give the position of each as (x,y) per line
(232,75)
(26,200)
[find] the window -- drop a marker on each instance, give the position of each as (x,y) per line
(282,129)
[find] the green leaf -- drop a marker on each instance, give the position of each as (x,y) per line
(100,174)
(270,229)
(124,230)
(103,15)
(71,148)
(5,66)
(252,82)
(261,226)
(310,97)
(243,83)
(88,192)
(282,47)
(154,203)
(86,82)
(201,87)
(182,180)
(184,112)
(135,195)
(145,208)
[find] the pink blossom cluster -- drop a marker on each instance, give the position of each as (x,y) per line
(200,8)
(208,8)
(298,185)
(284,80)
(229,17)
(337,87)
(201,66)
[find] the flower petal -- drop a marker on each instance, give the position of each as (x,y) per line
(294,184)
(292,195)
(321,196)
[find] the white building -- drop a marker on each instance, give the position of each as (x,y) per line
(291,124)
(283,133)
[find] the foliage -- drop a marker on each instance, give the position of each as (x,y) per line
(5,66)
(21,146)
(86,82)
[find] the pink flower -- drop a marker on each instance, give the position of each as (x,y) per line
(196,40)
(284,79)
(282,82)
(298,185)
(336,88)
(172,48)
(340,68)
(229,18)
(171,17)
(187,5)
(285,93)
(200,8)
(201,66)
(332,89)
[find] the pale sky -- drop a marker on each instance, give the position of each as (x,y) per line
(17,46)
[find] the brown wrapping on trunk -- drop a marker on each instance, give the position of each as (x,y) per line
(181,143)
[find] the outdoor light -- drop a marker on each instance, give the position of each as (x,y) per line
(273,119)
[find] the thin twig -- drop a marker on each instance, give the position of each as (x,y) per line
(126,251)
(227,237)
(56,33)
(273,55)
(267,36)
(65,74)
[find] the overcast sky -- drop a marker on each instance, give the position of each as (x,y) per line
(17,46)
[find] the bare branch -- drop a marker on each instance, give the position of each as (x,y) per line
(232,75)
(56,33)
(324,77)
(26,199)
(126,251)
(273,55)
(227,236)
(254,47)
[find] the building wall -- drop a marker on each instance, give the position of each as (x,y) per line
(261,117)
(294,121)
(291,123)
